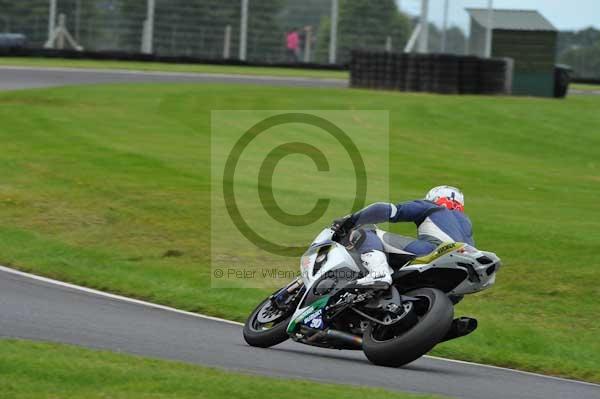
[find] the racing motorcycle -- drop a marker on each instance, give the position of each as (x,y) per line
(324,307)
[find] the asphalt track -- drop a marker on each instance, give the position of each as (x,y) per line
(41,309)
(16,78)
(13,78)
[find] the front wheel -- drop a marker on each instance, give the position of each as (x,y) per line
(432,316)
(267,324)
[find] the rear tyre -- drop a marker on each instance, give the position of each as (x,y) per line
(434,313)
(264,335)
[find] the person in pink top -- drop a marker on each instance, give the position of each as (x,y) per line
(293,44)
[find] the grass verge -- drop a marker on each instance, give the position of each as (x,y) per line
(585,87)
(108,186)
(167,67)
(40,370)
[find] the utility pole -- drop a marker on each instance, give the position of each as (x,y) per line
(445,26)
(489,29)
(243,30)
(333,31)
(424,36)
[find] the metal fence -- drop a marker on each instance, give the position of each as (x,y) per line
(252,30)
(265,31)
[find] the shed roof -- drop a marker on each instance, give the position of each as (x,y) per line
(530,20)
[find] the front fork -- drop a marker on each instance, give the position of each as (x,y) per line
(288,294)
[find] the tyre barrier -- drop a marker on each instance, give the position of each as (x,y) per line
(434,73)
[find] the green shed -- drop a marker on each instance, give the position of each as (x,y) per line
(526,37)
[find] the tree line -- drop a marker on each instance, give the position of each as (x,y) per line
(581,51)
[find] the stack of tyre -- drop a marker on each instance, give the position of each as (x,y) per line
(435,73)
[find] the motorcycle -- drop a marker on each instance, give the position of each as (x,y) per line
(324,307)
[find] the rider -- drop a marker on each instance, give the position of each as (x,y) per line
(439,218)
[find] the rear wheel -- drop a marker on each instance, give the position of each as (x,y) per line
(395,346)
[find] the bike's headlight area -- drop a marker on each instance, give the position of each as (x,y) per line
(469,250)
(307,261)
(314,259)
(322,256)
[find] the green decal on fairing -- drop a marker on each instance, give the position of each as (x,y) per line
(442,250)
(313,307)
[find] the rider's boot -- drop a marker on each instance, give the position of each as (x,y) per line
(380,272)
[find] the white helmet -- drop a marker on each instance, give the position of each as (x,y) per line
(448,196)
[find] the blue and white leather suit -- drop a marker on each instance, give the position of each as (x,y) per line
(435,224)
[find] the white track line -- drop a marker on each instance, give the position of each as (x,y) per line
(201,316)
(174,74)
(513,371)
(113,296)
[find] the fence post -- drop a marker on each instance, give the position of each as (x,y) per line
(243,30)
(51,23)
(388,44)
(509,75)
(410,44)
(148,34)
(489,29)
(445,26)
(424,36)
(62,26)
(307,43)
(333,32)
(227,42)
(61,34)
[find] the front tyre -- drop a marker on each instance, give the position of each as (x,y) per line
(433,315)
(266,325)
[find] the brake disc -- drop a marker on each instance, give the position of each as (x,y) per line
(268,313)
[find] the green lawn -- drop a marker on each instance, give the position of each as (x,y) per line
(99,183)
(40,370)
(167,67)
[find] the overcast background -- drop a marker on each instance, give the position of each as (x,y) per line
(565,15)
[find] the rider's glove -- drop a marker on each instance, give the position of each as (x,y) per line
(343,226)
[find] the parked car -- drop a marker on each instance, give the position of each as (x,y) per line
(12,41)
